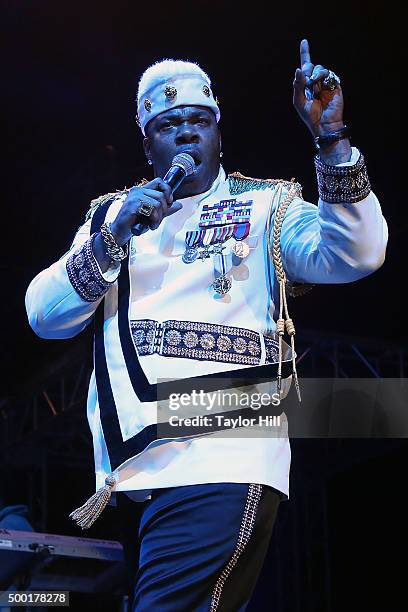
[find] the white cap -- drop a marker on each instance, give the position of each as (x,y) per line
(171,83)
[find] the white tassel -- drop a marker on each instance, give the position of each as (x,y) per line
(87,514)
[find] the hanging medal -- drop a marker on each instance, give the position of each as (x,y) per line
(193,240)
(209,237)
(218,223)
(222,284)
(240,248)
(223,234)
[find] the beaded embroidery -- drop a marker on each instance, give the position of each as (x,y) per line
(203,341)
(84,275)
(338,184)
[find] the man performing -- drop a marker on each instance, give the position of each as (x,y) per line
(187,280)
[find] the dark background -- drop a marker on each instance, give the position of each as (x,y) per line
(69,77)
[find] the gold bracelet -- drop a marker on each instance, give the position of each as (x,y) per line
(114,251)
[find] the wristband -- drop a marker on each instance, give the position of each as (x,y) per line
(84,273)
(342,184)
(328,139)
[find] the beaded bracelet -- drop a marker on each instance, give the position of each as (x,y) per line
(341,184)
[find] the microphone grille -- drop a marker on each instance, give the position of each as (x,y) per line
(186,162)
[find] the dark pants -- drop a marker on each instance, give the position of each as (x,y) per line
(197,548)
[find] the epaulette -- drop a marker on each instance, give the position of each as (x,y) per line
(239,183)
(102,200)
(109,196)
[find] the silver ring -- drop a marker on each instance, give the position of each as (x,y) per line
(331,81)
(146,209)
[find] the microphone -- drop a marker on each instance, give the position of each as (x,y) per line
(182,165)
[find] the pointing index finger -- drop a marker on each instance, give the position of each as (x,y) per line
(304,53)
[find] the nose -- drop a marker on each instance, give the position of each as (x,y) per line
(187,133)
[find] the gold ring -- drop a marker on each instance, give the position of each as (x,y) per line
(146,209)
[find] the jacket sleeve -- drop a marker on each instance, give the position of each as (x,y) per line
(61,300)
(334,242)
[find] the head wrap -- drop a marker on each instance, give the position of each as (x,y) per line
(171,83)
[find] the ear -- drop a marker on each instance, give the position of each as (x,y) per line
(146,147)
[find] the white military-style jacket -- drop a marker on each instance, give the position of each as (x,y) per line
(155,299)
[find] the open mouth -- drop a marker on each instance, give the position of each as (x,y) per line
(194,154)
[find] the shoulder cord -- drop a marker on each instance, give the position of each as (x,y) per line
(110,196)
(274,250)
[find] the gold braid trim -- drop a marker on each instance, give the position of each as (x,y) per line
(239,184)
(284,321)
(110,196)
(275,251)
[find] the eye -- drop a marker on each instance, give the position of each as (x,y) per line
(166,125)
(203,120)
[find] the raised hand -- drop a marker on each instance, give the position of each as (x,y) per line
(319,107)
